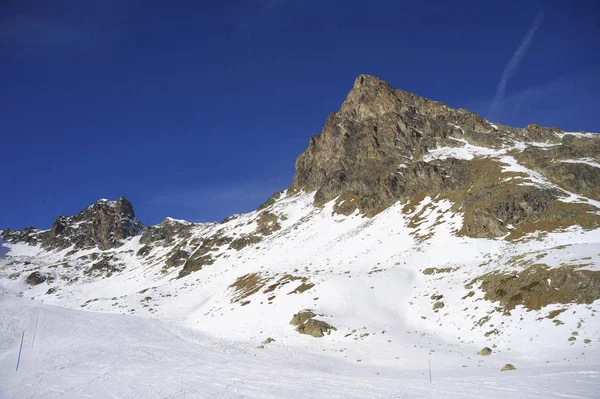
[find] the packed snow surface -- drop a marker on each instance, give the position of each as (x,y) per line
(80,354)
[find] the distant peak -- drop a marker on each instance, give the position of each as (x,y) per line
(173,220)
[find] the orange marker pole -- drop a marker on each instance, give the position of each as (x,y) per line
(33,341)
(20,349)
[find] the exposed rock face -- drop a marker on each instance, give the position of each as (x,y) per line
(167,231)
(105,266)
(376,130)
(538,286)
(177,258)
(103,224)
(202,257)
(267,224)
(373,152)
(557,164)
(28,235)
(35,278)
(242,242)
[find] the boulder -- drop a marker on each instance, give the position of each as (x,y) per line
(302,317)
(315,328)
(35,278)
(485,352)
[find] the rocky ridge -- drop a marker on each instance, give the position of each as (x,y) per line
(376,150)
(103,225)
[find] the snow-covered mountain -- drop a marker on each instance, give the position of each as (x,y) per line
(410,228)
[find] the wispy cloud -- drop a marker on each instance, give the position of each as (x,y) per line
(566,102)
(513,64)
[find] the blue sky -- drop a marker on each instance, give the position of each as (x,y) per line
(198,110)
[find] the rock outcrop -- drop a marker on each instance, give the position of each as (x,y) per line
(29,235)
(539,285)
(103,224)
(36,278)
(374,152)
(485,352)
(306,324)
(166,232)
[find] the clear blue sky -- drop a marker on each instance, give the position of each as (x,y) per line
(198,110)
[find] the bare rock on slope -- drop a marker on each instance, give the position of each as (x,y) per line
(369,155)
(539,286)
(485,352)
(166,232)
(35,278)
(306,324)
(102,224)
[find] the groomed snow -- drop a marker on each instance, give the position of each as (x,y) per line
(83,354)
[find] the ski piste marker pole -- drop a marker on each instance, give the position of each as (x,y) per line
(20,349)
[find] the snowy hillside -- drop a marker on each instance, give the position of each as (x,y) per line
(412,232)
(83,354)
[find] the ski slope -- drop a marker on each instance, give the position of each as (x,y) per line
(79,354)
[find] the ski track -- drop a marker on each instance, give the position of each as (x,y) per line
(95,355)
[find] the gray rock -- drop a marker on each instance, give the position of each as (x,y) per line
(35,278)
(485,352)
(103,224)
(369,155)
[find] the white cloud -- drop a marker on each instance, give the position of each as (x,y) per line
(513,64)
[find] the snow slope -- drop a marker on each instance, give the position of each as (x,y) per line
(197,339)
(85,354)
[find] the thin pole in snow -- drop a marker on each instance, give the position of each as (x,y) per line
(37,322)
(430,370)
(20,349)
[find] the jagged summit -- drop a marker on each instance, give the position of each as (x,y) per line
(112,203)
(102,224)
(386,145)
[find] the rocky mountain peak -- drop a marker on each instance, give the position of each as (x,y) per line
(371,97)
(376,129)
(104,224)
(377,150)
